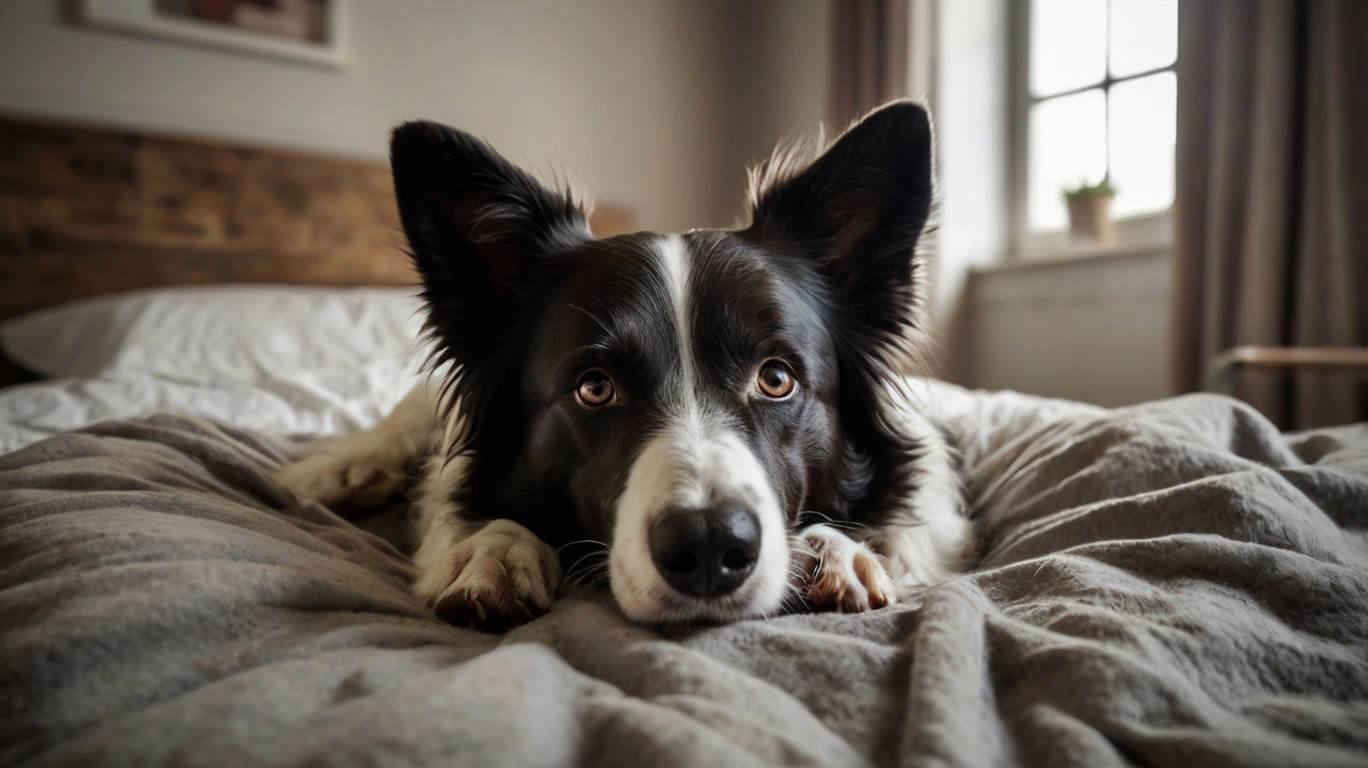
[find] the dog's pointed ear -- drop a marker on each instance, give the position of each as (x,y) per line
(477,227)
(857,211)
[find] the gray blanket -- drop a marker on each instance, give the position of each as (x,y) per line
(1171,584)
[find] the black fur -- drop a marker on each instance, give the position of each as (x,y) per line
(523,300)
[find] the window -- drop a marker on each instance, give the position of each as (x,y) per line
(1097,98)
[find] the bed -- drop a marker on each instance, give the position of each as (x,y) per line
(1174,583)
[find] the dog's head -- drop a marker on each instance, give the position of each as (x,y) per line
(687,400)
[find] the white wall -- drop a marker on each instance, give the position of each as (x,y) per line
(785,78)
(648,103)
(1091,329)
(969,103)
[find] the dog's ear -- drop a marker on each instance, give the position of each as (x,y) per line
(477,227)
(857,211)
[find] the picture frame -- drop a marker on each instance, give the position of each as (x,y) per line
(319,42)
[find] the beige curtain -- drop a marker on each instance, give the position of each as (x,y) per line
(870,56)
(1271,227)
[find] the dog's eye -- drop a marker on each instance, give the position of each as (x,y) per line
(775,379)
(595,389)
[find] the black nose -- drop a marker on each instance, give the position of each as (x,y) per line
(706,552)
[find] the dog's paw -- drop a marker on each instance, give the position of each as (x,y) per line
(840,573)
(497,577)
(347,475)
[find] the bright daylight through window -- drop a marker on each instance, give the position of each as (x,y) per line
(1103,97)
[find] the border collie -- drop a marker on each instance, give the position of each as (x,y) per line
(718,415)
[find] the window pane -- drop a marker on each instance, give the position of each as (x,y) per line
(1143,127)
(1068,44)
(1144,35)
(1068,148)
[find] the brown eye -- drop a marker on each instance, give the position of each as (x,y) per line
(595,389)
(775,379)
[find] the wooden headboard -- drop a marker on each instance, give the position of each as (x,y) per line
(87,211)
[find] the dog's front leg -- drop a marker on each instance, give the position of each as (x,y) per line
(490,575)
(838,572)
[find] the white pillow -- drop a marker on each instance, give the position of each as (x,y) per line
(248,334)
(278,359)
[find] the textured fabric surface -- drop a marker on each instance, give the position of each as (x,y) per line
(1171,584)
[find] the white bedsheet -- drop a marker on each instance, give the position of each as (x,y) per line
(284,360)
(326,404)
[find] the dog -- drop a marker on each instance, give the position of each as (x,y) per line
(719,416)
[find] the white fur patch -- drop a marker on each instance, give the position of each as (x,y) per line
(928,536)
(841,573)
(675,260)
(677,471)
(501,574)
(696,460)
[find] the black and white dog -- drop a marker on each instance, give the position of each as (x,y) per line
(721,413)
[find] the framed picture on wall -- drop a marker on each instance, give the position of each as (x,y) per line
(302,31)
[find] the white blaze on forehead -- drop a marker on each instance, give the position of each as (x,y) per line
(675,261)
(696,460)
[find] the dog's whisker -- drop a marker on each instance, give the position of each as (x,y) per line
(581,541)
(574,574)
(591,573)
(828,520)
(586,572)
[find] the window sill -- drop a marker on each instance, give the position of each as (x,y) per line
(1144,233)
(1076,254)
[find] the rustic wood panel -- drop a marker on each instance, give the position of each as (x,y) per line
(86,211)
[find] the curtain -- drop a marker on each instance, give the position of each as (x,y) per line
(870,56)
(1271,216)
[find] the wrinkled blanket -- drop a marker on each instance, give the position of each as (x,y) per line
(1168,584)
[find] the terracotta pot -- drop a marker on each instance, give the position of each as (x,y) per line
(1090,221)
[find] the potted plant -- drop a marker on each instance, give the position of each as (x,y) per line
(1090,221)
